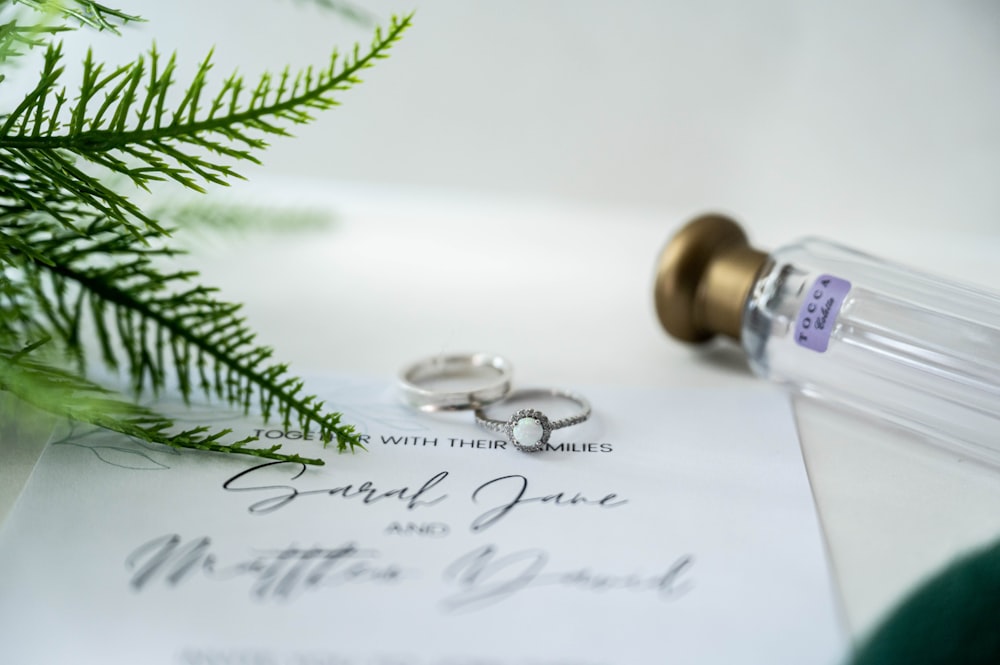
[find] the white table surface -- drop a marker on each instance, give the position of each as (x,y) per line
(590,131)
(564,291)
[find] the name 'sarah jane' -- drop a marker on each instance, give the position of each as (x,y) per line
(505,493)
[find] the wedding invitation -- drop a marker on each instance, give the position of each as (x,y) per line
(671,527)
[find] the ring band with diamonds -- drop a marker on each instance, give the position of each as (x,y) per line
(491,374)
(529,429)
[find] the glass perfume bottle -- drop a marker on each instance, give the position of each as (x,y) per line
(841,326)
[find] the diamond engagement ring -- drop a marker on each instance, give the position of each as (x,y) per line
(454,382)
(529,429)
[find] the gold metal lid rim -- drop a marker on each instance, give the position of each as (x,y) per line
(703,279)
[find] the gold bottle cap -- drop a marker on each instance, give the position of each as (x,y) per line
(704,278)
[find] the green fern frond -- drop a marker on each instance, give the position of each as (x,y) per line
(158,324)
(121,121)
(202,219)
(80,260)
(15,36)
(18,313)
(348,10)
(87,12)
(65,394)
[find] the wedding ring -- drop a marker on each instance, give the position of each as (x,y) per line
(529,429)
(455,382)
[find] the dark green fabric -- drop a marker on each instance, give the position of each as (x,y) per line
(952,619)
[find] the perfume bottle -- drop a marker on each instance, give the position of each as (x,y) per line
(844,327)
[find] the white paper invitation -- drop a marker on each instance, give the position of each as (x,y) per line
(672,527)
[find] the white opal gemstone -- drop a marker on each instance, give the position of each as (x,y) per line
(527,431)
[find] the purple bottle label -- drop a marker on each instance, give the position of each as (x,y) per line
(819,312)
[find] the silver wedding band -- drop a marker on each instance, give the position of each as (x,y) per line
(415,381)
(529,429)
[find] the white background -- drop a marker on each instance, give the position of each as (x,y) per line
(818,115)
(581,134)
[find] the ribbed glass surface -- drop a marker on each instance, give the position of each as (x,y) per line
(906,347)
